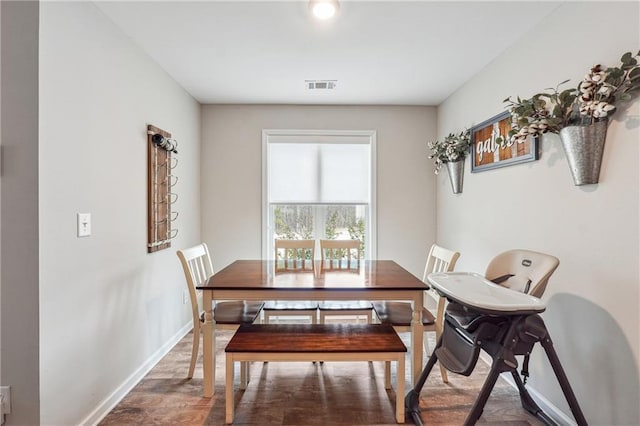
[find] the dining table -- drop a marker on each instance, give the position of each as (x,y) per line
(257,280)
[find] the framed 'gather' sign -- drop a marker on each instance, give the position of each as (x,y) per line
(491,147)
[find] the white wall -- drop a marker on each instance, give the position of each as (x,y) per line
(593,297)
(106,306)
(231,174)
(19,189)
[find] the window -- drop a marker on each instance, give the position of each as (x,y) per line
(319,184)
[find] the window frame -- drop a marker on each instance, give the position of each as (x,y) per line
(319,136)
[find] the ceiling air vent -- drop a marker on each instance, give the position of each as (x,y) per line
(321,84)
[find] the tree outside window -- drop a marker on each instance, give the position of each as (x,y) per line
(332,222)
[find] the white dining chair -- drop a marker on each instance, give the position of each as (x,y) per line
(197,267)
(343,255)
(292,256)
(399,314)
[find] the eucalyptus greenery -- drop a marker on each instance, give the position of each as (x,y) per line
(455,147)
(594,99)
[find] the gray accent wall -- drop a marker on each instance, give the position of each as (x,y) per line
(19,291)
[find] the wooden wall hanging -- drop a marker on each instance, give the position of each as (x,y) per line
(487,152)
(160,182)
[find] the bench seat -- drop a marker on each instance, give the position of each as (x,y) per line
(311,342)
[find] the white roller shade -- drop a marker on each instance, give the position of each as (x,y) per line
(319,173)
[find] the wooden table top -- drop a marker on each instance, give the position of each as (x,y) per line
(261,275)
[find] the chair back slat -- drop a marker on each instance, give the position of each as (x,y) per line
(294,254)
(199,270)
(440,259)
(197,267)
(334,253)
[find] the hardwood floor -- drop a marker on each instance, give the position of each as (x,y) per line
(331,393)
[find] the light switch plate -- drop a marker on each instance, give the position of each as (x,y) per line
(84,224)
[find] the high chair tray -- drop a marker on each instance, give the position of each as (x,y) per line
(473,290)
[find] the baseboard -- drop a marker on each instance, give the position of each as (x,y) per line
(551,410)
(112,400)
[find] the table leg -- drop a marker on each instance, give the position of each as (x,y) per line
(417,335)
(400,413)
(208,346)
(387,374)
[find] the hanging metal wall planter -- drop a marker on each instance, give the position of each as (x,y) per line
(583,146)
(456,175)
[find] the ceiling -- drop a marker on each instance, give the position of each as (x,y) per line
(380,52)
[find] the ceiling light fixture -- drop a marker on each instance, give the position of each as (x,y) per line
(323,9)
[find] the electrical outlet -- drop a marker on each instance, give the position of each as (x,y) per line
(5,396)
(185,297)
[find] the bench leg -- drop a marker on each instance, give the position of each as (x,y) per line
(244,375)
(228,388)
(387,374)
(400,381)
(400,390)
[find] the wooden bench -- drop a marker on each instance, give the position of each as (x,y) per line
(312,342)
